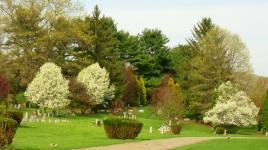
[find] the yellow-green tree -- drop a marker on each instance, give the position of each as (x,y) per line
(142,92)
(168,100)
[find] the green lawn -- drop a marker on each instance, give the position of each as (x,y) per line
(79,132)
(229,144)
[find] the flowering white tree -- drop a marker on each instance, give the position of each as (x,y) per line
(97,82)
(49,89)
(233,107)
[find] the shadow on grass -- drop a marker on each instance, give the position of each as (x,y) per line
(24,126)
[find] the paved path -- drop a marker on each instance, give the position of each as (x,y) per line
(161,144)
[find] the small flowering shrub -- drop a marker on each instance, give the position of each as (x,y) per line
(49,89)
(118,128)
(232,108)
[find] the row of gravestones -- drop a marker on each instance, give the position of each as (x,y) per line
(17,106)
(129,115)
(40,117)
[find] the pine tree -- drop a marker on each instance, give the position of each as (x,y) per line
(142,92)
(199,32)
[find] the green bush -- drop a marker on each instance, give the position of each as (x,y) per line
(118,128)
(13,114)
(176,128)
(20,98)
(7,130)
(232,129)
(219,130)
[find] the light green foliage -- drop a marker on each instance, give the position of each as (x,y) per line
(142,92)
(167,100)
(20,98)
(185,63)
(222,56)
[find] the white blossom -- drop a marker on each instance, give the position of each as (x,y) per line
(233,107)
(49,89)
(97,81)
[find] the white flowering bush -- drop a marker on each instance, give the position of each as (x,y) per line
(233,107)
(49,89)
(97,82)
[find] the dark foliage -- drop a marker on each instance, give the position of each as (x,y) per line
(219,130)
(12,114)
(131,95)
(7,130)
(4,87)
(265,113)
(176,128)
(79,96)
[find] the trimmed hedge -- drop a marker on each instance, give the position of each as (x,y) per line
(219,130)
(176,128)
(118,128)
(7,130)
(13,114)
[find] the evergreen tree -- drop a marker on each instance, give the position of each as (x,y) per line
(102,47)
(222,57)
(148,53)
(142,92)
(199,32)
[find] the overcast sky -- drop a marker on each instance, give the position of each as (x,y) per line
(176,18)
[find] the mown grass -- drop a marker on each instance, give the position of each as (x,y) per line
(79,132)
(229,144)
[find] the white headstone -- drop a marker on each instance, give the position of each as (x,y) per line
(151,130)
(162,130)
(125,114)
(38,112)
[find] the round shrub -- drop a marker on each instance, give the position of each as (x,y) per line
(118,128)
(13,114)
(176,128)
(7,130)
